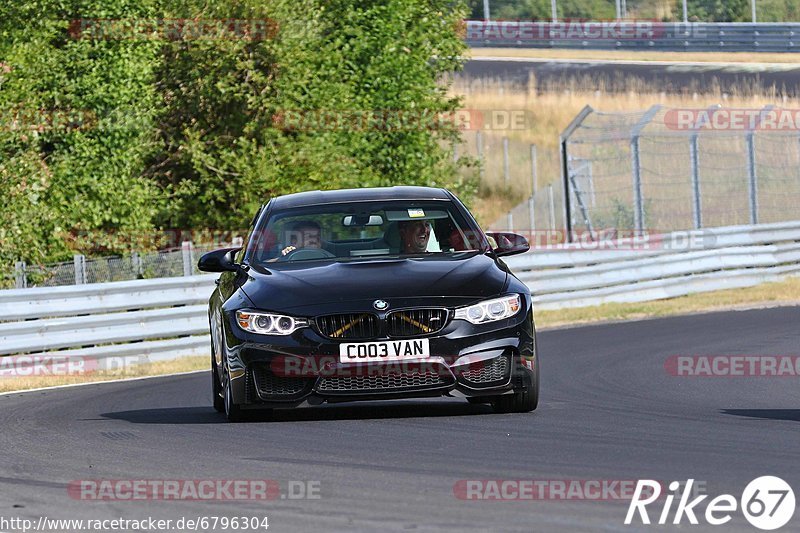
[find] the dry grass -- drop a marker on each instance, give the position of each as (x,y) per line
(786,292)
(644,55)
(185,364)
(549,113)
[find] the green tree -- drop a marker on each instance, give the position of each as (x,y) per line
(225,151)
(63,170)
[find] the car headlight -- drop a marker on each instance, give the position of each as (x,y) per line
(269,323)
(490,310)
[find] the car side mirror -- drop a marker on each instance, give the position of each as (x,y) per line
(506,243)
(219,261)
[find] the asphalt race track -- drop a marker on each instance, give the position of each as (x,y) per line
(609,411)
(617,75)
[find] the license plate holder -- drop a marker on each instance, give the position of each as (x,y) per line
(380,351)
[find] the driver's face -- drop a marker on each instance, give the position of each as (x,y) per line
(415,235)
(307,238)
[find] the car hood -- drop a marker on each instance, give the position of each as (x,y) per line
(399,281)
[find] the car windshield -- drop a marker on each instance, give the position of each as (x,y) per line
(356,230)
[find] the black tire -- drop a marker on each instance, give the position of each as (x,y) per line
(525,399)
(233,412)
(216,389)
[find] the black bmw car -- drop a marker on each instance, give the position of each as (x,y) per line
(369,294)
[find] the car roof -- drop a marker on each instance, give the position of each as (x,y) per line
(302,199)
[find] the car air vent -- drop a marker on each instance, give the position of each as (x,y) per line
(269,386)
(491,371)
(416,322)
(389,382)
(348,326)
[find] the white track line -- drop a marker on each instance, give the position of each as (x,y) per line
(54,387)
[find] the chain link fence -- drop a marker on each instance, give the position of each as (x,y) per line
(167,263)
(675,169)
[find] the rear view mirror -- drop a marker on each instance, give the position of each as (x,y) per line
(362,220)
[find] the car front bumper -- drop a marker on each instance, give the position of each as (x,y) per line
(302,369)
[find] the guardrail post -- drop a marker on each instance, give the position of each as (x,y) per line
(21,279)
(696,204)
(79,261)
(534,170)
(187,250)
(553,211)
(752,182)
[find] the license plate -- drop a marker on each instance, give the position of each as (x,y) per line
(368,352)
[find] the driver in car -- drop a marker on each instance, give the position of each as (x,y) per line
(414,235)
(304,234)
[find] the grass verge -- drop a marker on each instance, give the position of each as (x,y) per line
(785,292)
(184,364)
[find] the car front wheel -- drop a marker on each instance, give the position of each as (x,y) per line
(232,411)
(525,397)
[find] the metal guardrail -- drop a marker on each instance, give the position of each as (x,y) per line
(156,319)
(636,35)
(167,318)
(732,257)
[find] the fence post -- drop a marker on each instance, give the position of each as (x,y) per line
(187,250)
(752,183)
(510,221)
(534,173)
(532,213)
(79,261)
(563,139)
(636,164)
(136,263)
(638,208)
(697,209)
(505,160)
(553,212)
(479,146)
(20,275)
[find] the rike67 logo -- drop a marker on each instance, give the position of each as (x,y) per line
(767,502)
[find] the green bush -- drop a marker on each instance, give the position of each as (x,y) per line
(183,134)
